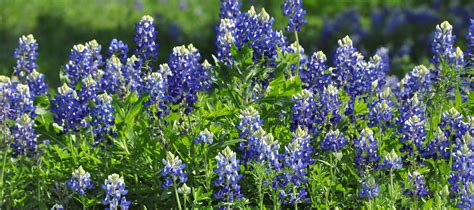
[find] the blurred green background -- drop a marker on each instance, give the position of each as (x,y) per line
(59,24)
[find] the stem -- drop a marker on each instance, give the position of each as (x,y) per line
(370,203)
(176,193)
(84,207)
(260,193)
(332,173)
(185,198)
(298,52)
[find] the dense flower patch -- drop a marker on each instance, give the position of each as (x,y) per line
(262,126)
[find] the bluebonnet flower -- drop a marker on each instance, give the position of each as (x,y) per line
(316,112)
(119,49)
(24,137)
(269,147)
(329,106)
(90,88)
(316,76)
(470,43)
(333,141)
(256,30)
(439,146)
(5,91)
(250,122)
(174,170)
(366,147)
(145,39)
(411,107)
(443,49)
(381,110)
(20,101)
(132,81)
(370,189)
(392,161)
(293,9)
(417,185)
(204,137)
(304,110)
(297,156)
(155,87)
(418,81)
(69,113)
(102,118)
(84,60)
(346,60)
(461,178)
(188,75)
(414,134)
(110,79)
(299,152)
(249,126)
(452,124)
(80,181)
(57,207)
(115,191)
(228,176)
(35,81)
(225,39)
(230,9)
(184,189)
(26,55)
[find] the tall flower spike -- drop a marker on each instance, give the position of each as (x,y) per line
(110,80)
(293,9)
(370,189)
(366,147)
(333,141)
(145,39)
(225,39)
(438,147)
(103,118)
(417,185)
(442,44)
(24,137)
(316,77)
(228,176)
(204,137)
(155,87)
(416,81)
(26,55)
(461,178)
(35,81)
(346,60)
(174,170)
(119,49)
(381,110)
(298,155)
(470,44)
(188,76)
(230,8)
(80,181)
(68,112)
(304,110)
(5,91)
(115,191)
(84,60)
(392,161)
(256,31)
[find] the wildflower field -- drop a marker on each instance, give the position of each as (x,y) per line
(264,124)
